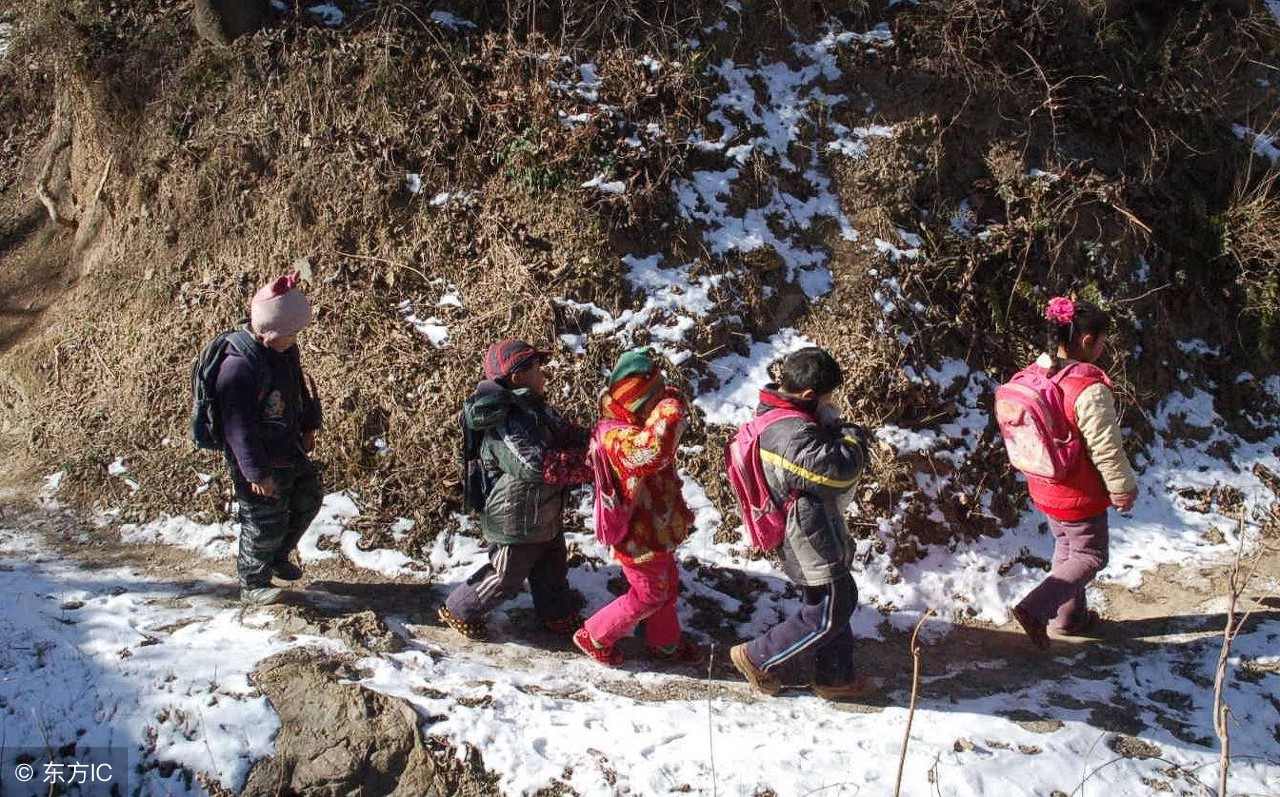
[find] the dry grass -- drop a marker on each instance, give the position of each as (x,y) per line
(229,165)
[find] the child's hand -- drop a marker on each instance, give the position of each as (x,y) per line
(1124,501)
(309,440)
(265,488)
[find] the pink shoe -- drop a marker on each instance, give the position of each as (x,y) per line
(607,655)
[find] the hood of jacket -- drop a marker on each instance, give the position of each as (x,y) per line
(491,403)
(772,398)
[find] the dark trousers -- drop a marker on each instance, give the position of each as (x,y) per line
(271,527)
(820,630)
(1080,550)
(544,564)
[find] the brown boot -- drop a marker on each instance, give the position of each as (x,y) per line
(858,687)
(1081,626)
(1034,628)
(769,684)
(474,630)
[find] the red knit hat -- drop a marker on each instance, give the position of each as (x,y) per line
(279,309)
(506,357)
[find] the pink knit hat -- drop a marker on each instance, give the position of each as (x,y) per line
(279,308)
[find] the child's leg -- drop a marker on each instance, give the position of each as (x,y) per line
(662,628)
(1090,550)
(305,498)
(264,523)
(651,587)
(1080,552)
(500,579)
(824,617)
(833,663)
(549,581)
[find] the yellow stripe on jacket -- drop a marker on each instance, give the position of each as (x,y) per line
(804,473)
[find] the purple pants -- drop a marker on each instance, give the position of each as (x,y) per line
(819,632)
(1080,551)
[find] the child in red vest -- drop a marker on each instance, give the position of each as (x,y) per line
(1077,505)
(641,453)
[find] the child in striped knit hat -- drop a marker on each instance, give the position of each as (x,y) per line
(642,419)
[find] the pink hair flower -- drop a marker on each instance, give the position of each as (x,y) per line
(1061,310)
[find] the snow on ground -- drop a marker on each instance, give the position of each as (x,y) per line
(161,667)
(156,671)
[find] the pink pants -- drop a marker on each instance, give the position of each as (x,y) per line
(655,585)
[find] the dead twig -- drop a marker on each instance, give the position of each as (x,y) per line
(911,711)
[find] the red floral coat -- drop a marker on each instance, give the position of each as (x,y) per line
(643,458)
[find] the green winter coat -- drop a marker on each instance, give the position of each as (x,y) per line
(520,428)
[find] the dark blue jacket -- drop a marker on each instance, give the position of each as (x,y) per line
(264,429)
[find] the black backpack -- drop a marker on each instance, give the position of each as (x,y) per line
(476,479)
(206,420)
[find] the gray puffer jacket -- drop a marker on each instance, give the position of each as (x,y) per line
(520,428)
(818,465)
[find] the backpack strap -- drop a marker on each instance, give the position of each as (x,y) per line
(247,347)
(1078,377)
(769,418)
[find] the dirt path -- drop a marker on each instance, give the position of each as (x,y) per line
(1177,614)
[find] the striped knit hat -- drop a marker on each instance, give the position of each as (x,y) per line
(634,380)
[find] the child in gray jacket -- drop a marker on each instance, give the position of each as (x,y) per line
(813,459)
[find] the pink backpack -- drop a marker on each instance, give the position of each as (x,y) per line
(764,519)
(1037,423)
(612,510)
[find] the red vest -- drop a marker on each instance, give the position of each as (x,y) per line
(1082,494)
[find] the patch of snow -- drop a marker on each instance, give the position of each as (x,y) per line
(212,540)
(1198,347)
(413,182)
(599,183)
(742,376)
(108,658)
(674,301)
(451,297)
(433,329)
(1262,144)
(452,21)
(329,14)
(650,63)
(1195,410)
(6,35)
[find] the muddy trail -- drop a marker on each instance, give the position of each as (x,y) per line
(1177,614)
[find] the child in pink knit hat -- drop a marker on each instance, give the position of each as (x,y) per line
(269,418)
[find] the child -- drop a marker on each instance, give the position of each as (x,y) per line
(269,424)
(1077,506)
(525,446)
(814,460)
(641,454)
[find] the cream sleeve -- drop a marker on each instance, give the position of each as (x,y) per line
(1100,427)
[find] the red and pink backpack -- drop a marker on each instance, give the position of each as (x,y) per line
(764,519)
(1038,424)
(612,510)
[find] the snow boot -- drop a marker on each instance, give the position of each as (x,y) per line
(607,655)
(473,629)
